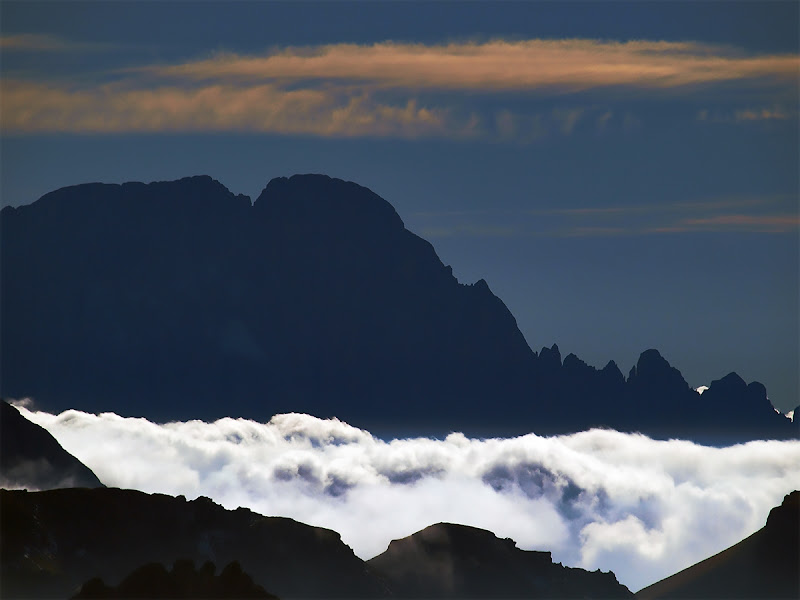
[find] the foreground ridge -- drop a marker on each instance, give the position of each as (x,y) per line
(55,541)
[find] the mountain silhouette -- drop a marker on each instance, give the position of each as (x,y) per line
(54,541)
(32,458)
(177,300)
(59,543)
(764,565)
(183,581)
(456,561)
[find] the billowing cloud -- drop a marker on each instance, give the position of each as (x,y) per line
(569,64)
(597,499)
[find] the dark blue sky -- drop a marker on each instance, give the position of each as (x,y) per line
(624,176)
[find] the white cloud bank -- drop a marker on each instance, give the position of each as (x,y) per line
(598,499)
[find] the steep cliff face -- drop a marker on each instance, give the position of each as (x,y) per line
(31,458)
(177,300)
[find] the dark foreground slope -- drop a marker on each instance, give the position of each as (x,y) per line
(153,580)
(32,458)
(456,561)
(764,565)
(56,540)
(178,300)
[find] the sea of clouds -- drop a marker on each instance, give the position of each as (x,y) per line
(597,499)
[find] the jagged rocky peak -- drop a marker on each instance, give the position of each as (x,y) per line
(786,517)
(158,299)
(612,372)
(574,364)
(550,357)
(652,369)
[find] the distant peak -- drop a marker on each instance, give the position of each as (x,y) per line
(654,370)
(320,198)
(731,383)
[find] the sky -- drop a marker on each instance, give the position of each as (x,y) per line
(600,499)
(624,176)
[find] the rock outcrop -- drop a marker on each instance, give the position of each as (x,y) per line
(456,561)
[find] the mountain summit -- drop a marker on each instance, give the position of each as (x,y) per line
(177,300)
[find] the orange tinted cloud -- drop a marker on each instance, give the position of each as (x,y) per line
(32,107)
(574,64)
(348,90)
(778,222)
(764,114)
(34,42)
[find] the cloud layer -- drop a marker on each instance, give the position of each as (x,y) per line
(597,499)
(568,64)
(385,89)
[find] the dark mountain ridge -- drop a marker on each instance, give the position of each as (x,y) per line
(176,300)
(54,541)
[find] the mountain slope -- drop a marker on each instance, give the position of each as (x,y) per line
(54,541)
(177,300)
(32,458)
(764,565)
(456,561)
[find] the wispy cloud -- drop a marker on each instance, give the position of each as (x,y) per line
(569,64)
(740,222)
(381,90)
(745,115)
(36,42)
(598,499)
(776,214)
(113,108)
(762,114)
